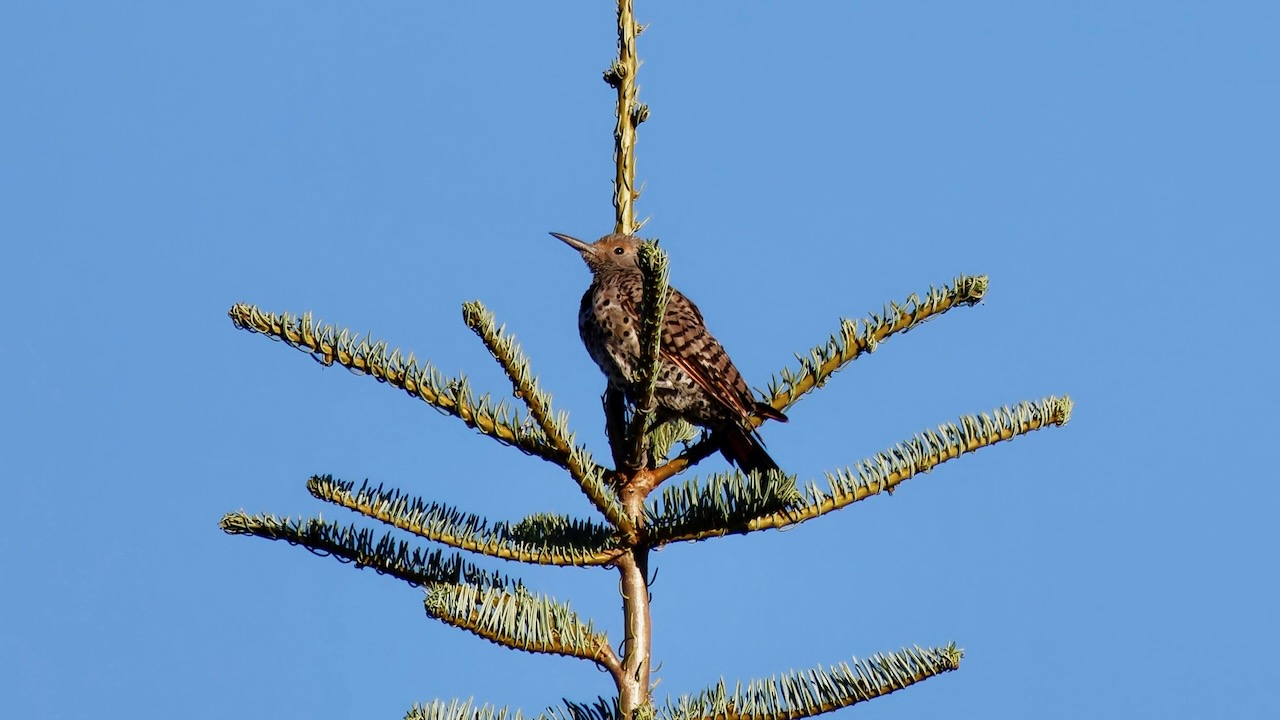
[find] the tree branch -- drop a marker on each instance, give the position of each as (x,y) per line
(386,555)
(722,504)
(542,540)
(601,709)
(806,693)
(586,473)
(520,620)
(656,293)
(881,473)
(453,396)
(855,338)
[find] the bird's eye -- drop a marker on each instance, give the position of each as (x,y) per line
(618,251)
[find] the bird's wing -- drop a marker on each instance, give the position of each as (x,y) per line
(687,344)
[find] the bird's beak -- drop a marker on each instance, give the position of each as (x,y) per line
(574,243)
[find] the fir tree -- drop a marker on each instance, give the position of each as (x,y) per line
(641,505)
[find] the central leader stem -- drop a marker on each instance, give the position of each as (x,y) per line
(624,134)
(633,566)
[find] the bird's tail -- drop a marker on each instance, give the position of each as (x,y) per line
(741,447)
(766,411)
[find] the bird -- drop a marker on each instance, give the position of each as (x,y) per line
(697,382)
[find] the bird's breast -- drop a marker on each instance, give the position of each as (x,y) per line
(609,332)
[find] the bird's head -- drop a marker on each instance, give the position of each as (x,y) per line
(611,252)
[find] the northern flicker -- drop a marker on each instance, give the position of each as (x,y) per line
(697,381)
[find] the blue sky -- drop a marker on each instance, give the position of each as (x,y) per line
(1111,165)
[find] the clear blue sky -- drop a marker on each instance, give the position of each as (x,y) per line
(1111,165)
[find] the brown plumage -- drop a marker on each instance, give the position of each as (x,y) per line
(696,380)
